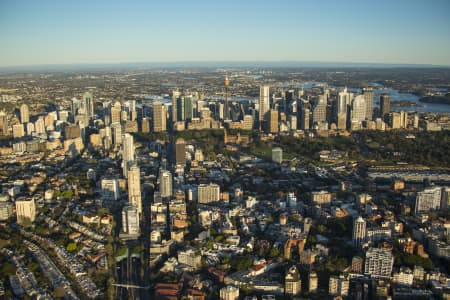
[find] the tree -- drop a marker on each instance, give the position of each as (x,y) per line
(71,247)
(274,252)
(7,269)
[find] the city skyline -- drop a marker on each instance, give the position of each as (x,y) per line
(381,32)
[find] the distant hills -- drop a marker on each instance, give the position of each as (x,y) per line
(205,64)
(440,99)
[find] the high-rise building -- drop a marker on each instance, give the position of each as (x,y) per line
(39,126)
(128,147)
(165,184)
(145,125)
(175,95)
(76,107)
(292,282)
(264,104)
(304,118)
(385,105)
(159,117)
(378,262)
(368,97)
(357,264)
(292,120)
(24,114)
(184,108)
(6,209)
(273,121)
(3,124)
(248,122)
(395,120)
(338,286)
(127,152)
(359,231)
(18,131)
(116,112)
(358,111)
(319,111)
(88,103)
(226,82)
(134,187)
(180,152)
(343,102)
(229,292)
(72,132)
(130,220)
(428,200)
(110,189)
(313,282)
(277,155)
(208,193)
(403,119)
(116,132)
(25,210)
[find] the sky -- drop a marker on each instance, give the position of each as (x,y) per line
(106,31)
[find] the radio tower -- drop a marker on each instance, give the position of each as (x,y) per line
(226,83)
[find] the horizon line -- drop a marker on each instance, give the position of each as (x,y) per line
(216,63)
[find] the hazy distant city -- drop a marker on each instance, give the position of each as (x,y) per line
(200,150)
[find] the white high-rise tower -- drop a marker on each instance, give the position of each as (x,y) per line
(359,231)
(264,103)
(134,187)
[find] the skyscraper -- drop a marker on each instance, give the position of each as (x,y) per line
(273,121)
(264,104)
(180,152)
(128,147)
(18,130)
(227,108)
(184,108)
(378,262)
(304,118)
(319,112)
(368,97)
(116,110)
(134,187)
(3,124)
(88,103)
(127,152)
(385,105)
(359,109)
(159,117)
(343,101)
(24,114)
(130,220)
(165,184)
(175,95)
(359,231)
(76,106)
(116,132)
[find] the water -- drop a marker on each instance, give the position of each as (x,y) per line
(378,90)
(397,96)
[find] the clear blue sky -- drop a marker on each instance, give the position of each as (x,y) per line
(82,31)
